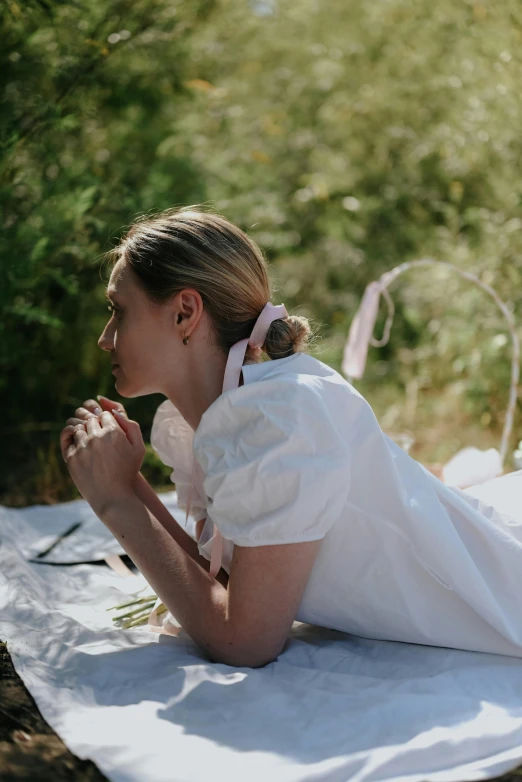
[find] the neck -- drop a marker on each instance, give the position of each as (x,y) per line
(203,386)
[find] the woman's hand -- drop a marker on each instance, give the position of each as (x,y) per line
(91,407)
(104,455)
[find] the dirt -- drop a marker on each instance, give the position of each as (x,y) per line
(29,748)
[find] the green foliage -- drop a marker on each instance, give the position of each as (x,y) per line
(345,138)
(89,93)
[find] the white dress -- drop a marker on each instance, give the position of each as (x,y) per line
(296,454)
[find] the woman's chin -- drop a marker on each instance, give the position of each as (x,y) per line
(125,388)
(127,391)
(119,386)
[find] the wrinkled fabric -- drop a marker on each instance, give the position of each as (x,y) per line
(171,437)
(332,707)
(277,464)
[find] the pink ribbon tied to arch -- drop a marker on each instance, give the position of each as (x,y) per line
(360,334)
(469,466)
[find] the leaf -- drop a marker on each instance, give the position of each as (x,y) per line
(31,314)
(39,249)
(84,201)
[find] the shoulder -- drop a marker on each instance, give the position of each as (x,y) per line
(286,419)
(276,465)
(282,400)
(299,391)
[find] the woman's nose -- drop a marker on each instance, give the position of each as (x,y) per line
(105,341)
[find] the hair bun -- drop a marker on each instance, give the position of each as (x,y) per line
(287,336)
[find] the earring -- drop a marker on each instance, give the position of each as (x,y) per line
(185,340)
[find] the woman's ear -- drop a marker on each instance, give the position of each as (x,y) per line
(191,305)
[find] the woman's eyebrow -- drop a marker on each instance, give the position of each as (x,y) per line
(110,295)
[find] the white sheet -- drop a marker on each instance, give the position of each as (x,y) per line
(151,707)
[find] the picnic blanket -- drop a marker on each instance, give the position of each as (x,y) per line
(151,707)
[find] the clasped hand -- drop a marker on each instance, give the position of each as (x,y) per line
(103,451)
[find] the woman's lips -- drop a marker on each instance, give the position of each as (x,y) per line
(115,367)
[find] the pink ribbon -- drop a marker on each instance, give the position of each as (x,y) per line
(360,334)
(236,357)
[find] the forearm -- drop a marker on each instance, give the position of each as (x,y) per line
(197,600)
(150,499)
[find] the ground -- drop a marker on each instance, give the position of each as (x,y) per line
(29,748)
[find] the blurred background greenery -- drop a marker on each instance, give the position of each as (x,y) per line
(344,136)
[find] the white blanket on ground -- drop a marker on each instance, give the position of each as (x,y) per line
(150,707)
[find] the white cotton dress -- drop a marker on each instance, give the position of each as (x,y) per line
(296,454)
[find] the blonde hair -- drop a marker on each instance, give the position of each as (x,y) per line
(186,247)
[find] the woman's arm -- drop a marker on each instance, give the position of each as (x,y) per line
(245,625)
(150,499)
(197,600)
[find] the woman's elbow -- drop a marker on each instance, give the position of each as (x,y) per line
(241,658)
(245,662)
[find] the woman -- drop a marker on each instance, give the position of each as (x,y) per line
(305,508)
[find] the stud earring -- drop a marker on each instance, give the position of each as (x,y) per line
(185,340)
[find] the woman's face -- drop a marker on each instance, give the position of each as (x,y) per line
(142,337)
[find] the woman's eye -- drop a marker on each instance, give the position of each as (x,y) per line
(114,310)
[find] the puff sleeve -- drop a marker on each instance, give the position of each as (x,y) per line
(172,438)
(276,468)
